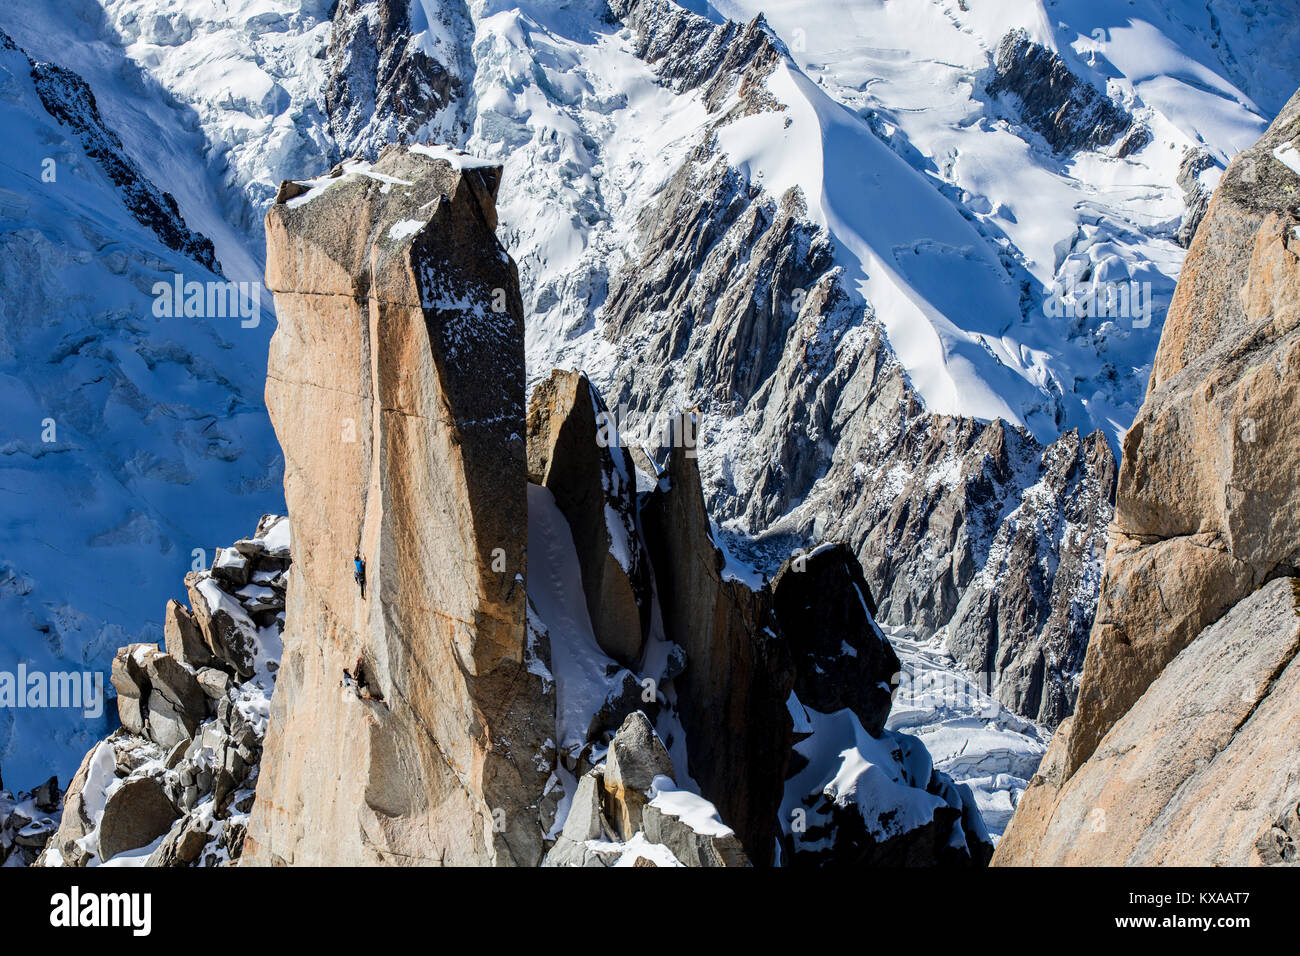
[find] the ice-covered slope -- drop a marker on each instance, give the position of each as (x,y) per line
(219,101)
(918,73)
(587,136)
(130,439)
(157,128)
(934,284)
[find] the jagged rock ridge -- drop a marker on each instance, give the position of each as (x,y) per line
(383,87)
(68,98)
(1069,113)
(28,819)
(732,304)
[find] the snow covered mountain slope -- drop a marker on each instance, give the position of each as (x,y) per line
(131,439)
(219,101)
(958,273)
(919,74)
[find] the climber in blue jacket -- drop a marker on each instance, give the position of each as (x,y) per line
(360,573)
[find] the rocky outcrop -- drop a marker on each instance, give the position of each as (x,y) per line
(856,793)
(975,531)
(416,712)
(1070,113)
(841,660)
(1196,194)
(1023,621)
(734,665)
(179,775)
(396,386)
(713,245)
(738,673)
(1192,652)
(693,53)
(158,696)
(27,821)
(575,451)
(629,811)
(1201,769)
(887,817)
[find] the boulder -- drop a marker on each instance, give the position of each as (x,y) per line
(169,725)
(636,756)
(183,845)
(132,686)
(215,683)
(223,622)
(574,450)
(567,853)
(47,796)
(136,814)
(258,599)
(273,535)
(157,696)
(177,683)
(707,843)
(182,637)
(586,819)
(232,567)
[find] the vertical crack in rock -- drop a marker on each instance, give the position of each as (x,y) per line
(573,449)
(739,674)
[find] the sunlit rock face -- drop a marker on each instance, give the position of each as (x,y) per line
(396,386)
